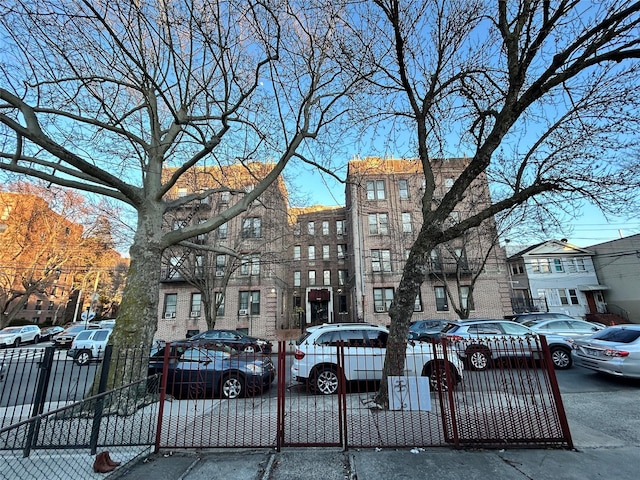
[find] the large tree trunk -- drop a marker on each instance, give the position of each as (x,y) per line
(133,333)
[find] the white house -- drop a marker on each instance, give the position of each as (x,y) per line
(555,276)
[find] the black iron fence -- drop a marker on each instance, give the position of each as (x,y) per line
(204,398)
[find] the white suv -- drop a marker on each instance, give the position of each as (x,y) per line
(316,363)
(89,345)
(18,335)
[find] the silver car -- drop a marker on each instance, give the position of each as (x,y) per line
(571,328)
(480,342)
(614,350)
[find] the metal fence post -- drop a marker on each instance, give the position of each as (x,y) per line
(38,403)
(102,386)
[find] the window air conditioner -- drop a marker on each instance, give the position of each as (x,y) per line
(379,309)
(219,273)
(170,315)
(194,314)
(243,311)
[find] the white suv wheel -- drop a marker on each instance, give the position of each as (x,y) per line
(326,381)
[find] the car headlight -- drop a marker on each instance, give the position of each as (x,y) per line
(255,369)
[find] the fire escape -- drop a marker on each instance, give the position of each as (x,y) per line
(171,269)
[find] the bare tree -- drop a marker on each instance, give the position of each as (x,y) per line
(541,97)
(102,96)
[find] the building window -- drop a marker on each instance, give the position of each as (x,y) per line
(466,299)
(436,261)
(220,303)
(326,277)
(311,228)
(296,252)
(182,192)
(573,296)
(221,261)
(222,231)
(342,304)
(381,260)
(225,197)
(250,302)
(342,277)
(441,299)
(250,265)
(296,278)
(562,293)
(448,183)
(312,278)
(557,265)
(378,224)
(403,189)
(198,267)
(38,304)
(579,264)
(50,307)
(382,298)
(312,252)
(417,305)
(170,305)
(325,227)
(326,255)
(406,222)
(196,302)
(296,229)
(540,265)
(252,227)
(375,190)
(342,251)
(340,227)
(517,268)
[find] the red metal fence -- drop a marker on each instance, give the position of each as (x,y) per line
(514,402)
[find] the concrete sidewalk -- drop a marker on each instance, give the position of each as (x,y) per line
(432,463)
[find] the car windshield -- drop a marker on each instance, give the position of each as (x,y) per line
(75,329)
(619,335)
(10,330)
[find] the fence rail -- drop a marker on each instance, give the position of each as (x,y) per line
(47,411)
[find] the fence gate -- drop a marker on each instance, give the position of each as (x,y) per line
(513,403)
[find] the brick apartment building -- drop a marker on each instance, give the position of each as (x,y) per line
(294,267)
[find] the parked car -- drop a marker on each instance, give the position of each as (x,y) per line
(17,335)
(237,340)
(48,333)
(614,351)
(316,357)
(2,372)
(480,342)
(205,370)
(539,316)
(65,339)
(107,323)
(89,345)
(571,328)
(426,330)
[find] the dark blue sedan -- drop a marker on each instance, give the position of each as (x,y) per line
(212,371)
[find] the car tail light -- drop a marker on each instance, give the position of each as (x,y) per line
(299,355)
(616,353)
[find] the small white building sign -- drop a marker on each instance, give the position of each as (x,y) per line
(409,393)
